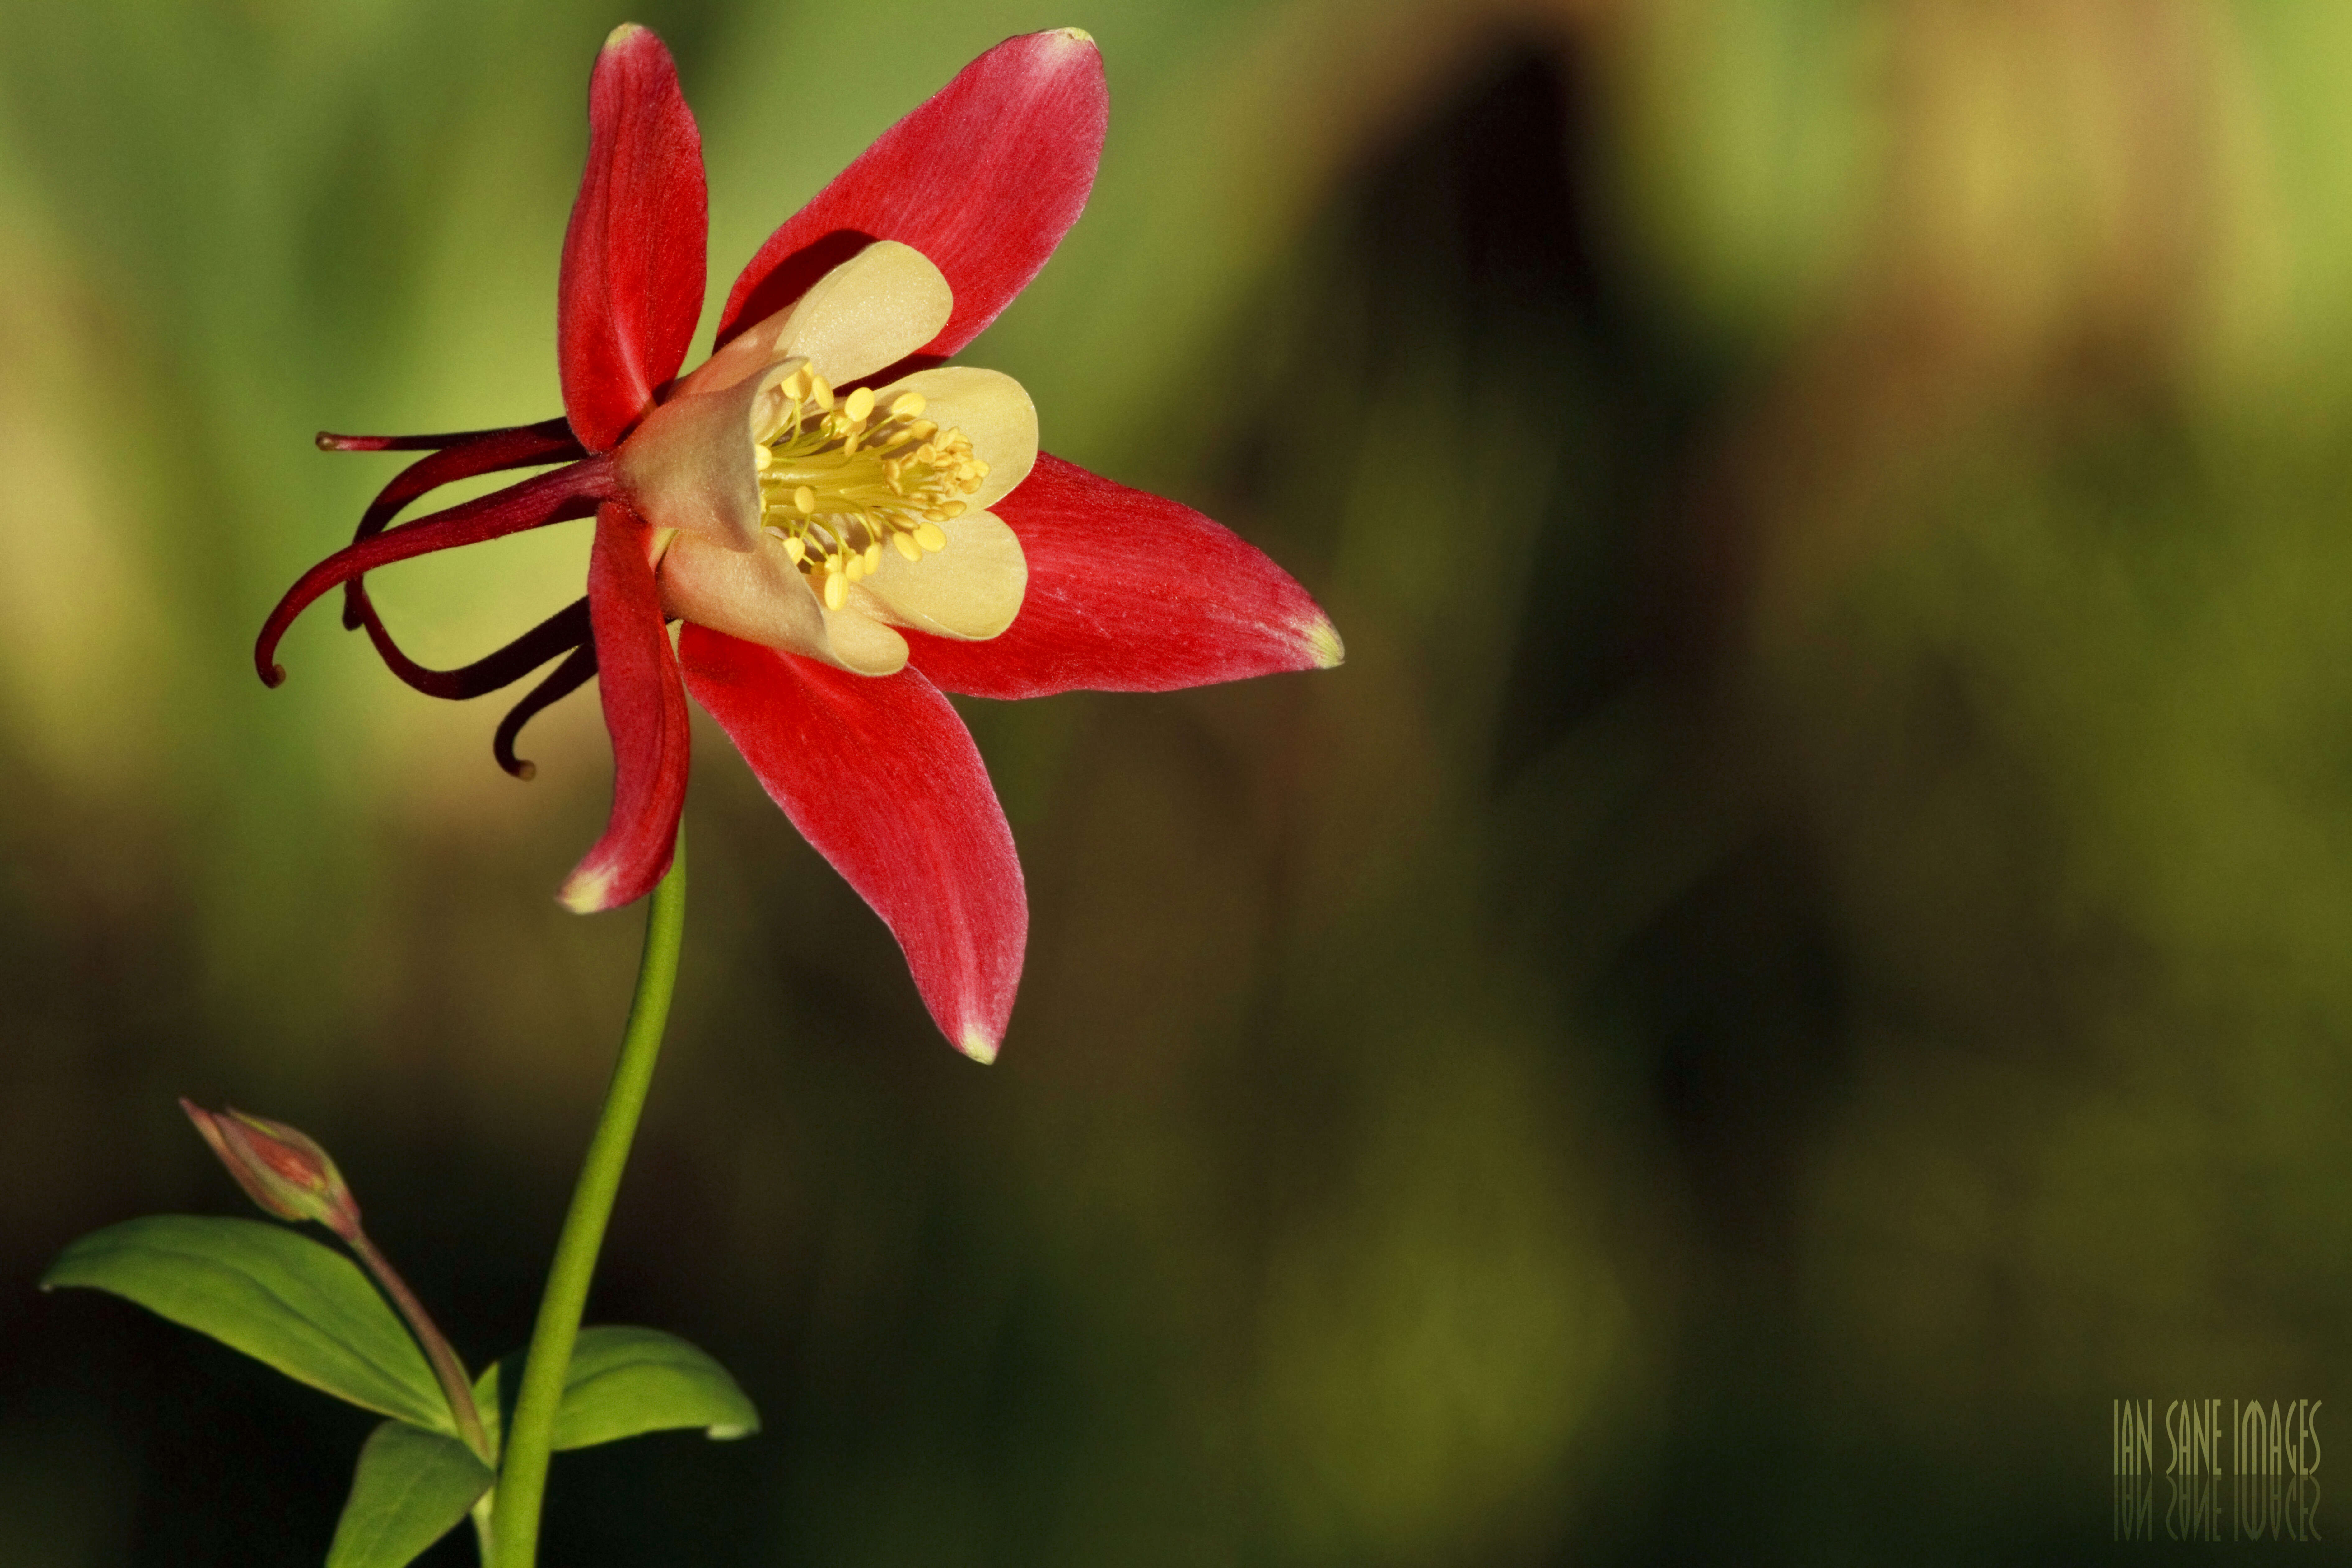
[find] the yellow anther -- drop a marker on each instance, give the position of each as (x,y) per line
(844,478)
(762,459)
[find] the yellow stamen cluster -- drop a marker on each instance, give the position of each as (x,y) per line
(841,479)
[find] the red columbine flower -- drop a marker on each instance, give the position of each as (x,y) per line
(845,526)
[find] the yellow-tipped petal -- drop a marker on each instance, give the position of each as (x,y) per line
(587,893)
(1323,639)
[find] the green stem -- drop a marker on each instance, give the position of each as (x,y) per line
(481,1514)
(522,1471)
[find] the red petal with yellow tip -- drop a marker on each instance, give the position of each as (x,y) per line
(632,257)
(881,776)
(645,709)
(984,178)
(1130,592)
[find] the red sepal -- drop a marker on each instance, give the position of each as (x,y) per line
(645,711)
(1130,592)
(881,776)
(634,254)
(985,177)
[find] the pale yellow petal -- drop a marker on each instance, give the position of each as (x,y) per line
(869,312)
(761,597)
(860,644)
(872,311)
(971,590)
(990,407)
(757,595)
(692,464)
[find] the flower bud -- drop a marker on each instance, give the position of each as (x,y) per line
(281,1169)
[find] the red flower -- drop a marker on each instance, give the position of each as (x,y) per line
(837,560)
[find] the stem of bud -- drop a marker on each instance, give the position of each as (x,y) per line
(447,1368)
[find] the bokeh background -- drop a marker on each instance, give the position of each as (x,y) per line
(1805,953)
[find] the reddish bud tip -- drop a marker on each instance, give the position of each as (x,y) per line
(280,1168)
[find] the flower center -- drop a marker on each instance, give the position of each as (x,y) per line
(839,480)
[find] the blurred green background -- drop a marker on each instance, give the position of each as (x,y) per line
(1803,954)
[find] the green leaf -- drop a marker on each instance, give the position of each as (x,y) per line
(281,1298)
(624,1382)
(410,1489)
